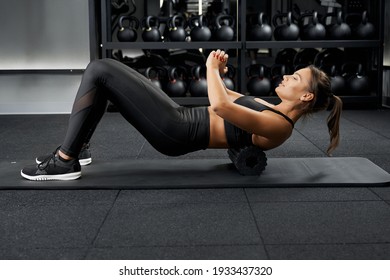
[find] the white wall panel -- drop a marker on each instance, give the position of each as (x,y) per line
(44,34)
(37,93)
(41,35)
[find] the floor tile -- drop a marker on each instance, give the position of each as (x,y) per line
(371,146)
(43,198)
(115,149)
(24,138)
(179,225)
(383,193)
(375,120)
(181,196)
(323,222)
(309,194)
(359,134)
(118,141)
(356,148)
(16,253)
(50,226)
(330,252)
(238,252)
(348,130)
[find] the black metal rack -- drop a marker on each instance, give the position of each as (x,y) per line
(102,38)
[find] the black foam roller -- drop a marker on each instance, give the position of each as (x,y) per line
(249,160)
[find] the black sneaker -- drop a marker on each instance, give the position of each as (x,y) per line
(85,157)
(53,168)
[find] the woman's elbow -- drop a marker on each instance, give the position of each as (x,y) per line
(214,107)
(218,107)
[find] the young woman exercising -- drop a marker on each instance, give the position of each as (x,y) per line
(232,120)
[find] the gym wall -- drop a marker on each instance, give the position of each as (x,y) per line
(42,41)
(386,50)
(386,57)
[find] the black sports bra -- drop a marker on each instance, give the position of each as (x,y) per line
(236,137)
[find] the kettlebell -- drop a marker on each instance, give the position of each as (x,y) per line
(337,81)
(261,31)
(357,83)
(313,30)
(198,84)
(288,31)
(176,86)
(176,26)
(365,30)
(224,28)
(199,30)
(127,33)
(153,74)
(330,56)
(305,57)
(150,32)
(119,6)
(339,30)
(258,84)
(228,77)
(286,57)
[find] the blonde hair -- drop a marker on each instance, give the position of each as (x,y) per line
(320,86)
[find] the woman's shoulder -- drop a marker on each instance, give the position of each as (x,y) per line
(263,102)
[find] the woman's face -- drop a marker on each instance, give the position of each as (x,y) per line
(294,86)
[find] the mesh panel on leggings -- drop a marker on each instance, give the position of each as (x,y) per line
(84,102)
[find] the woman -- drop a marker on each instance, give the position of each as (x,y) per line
(231,120)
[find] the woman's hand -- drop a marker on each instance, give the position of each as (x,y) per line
(218,60)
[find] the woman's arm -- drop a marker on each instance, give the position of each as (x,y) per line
(223,70)
(233,94)
(217,92)
(259,123)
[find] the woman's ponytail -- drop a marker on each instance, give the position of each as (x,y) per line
(333,122)
(320,85)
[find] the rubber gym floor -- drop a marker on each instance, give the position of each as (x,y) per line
(229,223)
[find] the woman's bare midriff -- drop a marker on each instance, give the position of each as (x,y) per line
(217,131)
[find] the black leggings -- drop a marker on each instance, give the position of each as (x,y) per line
(171,129)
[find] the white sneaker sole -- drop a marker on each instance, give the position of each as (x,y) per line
(86,161)
(60,177)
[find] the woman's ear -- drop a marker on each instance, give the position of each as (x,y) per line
(308,96)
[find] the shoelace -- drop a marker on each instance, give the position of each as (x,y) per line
(45,163)
(85,147)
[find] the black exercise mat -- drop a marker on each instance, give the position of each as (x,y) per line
(209,173)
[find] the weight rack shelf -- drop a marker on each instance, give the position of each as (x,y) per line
(171,45)
(313,44)
(104,44)
(241,45)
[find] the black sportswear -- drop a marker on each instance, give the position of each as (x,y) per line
(170,128)
(237,137)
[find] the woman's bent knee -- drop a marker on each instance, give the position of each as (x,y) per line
(100,66)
